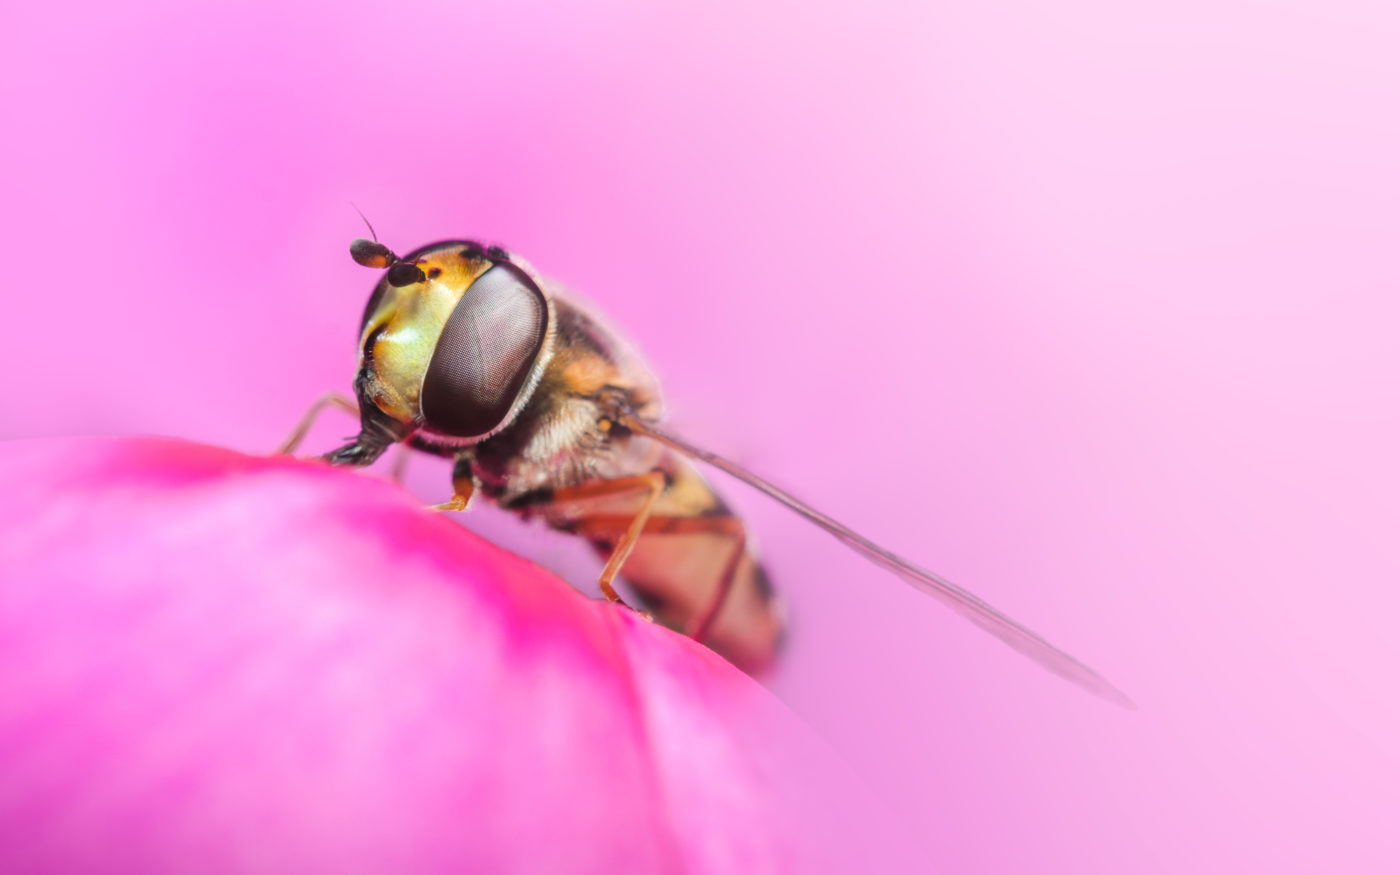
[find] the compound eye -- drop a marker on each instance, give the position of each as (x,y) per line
(371,253)
(485,353)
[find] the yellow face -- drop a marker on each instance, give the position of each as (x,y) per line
(405,323)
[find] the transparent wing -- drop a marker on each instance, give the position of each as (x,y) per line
(962,601)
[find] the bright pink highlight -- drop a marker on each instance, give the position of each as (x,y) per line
(223,663)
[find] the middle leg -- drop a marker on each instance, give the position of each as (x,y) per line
(463,487)
(553,503)
(651,484)
(698,626)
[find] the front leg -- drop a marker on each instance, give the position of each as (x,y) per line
(330,399)
(463,487)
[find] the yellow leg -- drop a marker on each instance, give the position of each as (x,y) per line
(329,399)
(698,626)
(653,483)
(463,488)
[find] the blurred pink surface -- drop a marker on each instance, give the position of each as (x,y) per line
(1091,308)
(244,664)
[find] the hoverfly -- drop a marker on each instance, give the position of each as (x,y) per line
(467,353)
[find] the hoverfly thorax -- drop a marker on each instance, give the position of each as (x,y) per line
(453,340)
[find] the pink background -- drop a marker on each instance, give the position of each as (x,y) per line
(1093,310)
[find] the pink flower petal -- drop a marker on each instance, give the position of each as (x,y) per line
(217,662)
